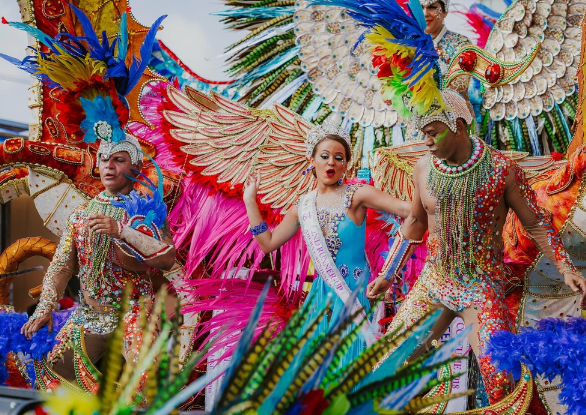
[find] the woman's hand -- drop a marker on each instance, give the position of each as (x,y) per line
(251,186)
(32,326)
(104,224)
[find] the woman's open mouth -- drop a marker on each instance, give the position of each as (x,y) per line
(330,172)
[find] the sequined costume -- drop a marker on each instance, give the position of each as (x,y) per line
(345,241)
(460,281)
(102,280)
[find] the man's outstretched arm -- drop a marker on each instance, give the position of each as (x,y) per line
(520,197)
(410,234)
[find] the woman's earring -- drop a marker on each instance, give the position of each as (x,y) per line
(438,15)
(304,172)
(341,181)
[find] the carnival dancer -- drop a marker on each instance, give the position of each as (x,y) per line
(332,218)
(463,188)
(118,237)
(104,247)
(463,191)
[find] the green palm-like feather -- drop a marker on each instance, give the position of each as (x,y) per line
(382,388)
(421,403)
(334,370)
(174,357)
(438,381)
(130,377)
(268,356)
(246,367)
(286,337)
(364,363)
(278,369)
(112,366)
(178,382)
(313,359)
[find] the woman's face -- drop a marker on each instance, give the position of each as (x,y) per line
(434,17)
(329,162)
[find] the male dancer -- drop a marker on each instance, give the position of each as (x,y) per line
(463,191)
(107,253)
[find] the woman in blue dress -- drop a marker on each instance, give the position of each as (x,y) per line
(332,218)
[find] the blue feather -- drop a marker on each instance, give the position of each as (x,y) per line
(153,208)
(123,44)
(554,347)
(34,32)
(100,109)
(12,341)
(139,65)
(417,12)
(90,34)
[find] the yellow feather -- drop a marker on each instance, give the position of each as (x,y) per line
(379,37)
(65,69)
(66,401)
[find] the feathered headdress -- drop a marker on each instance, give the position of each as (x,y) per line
(92,78)
(407,61)
(401,50)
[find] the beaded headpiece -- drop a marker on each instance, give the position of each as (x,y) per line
(455,108)
(130,144)
(317,133)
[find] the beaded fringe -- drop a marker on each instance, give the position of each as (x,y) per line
(454,214)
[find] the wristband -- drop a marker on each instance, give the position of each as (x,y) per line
(120,228)
(260,228)
(399,254)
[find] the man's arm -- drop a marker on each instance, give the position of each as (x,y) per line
(409,237)
(520,197)
(55,281)
(155,253)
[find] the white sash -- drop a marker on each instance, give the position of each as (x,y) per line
(323,261)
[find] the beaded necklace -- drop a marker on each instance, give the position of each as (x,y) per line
(455,189)
(101,245)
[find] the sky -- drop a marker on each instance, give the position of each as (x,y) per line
(195,36)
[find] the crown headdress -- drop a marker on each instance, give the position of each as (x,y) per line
(317,133)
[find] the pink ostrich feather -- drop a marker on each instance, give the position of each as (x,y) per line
(233,301)
(481,25)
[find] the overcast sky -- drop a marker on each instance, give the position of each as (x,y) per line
(196,37)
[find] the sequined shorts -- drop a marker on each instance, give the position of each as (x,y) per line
(455,295)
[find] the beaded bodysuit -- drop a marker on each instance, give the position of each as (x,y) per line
(102,283)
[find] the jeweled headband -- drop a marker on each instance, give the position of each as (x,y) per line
(427,3)
(317,133)
(130,144)
(457,109)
